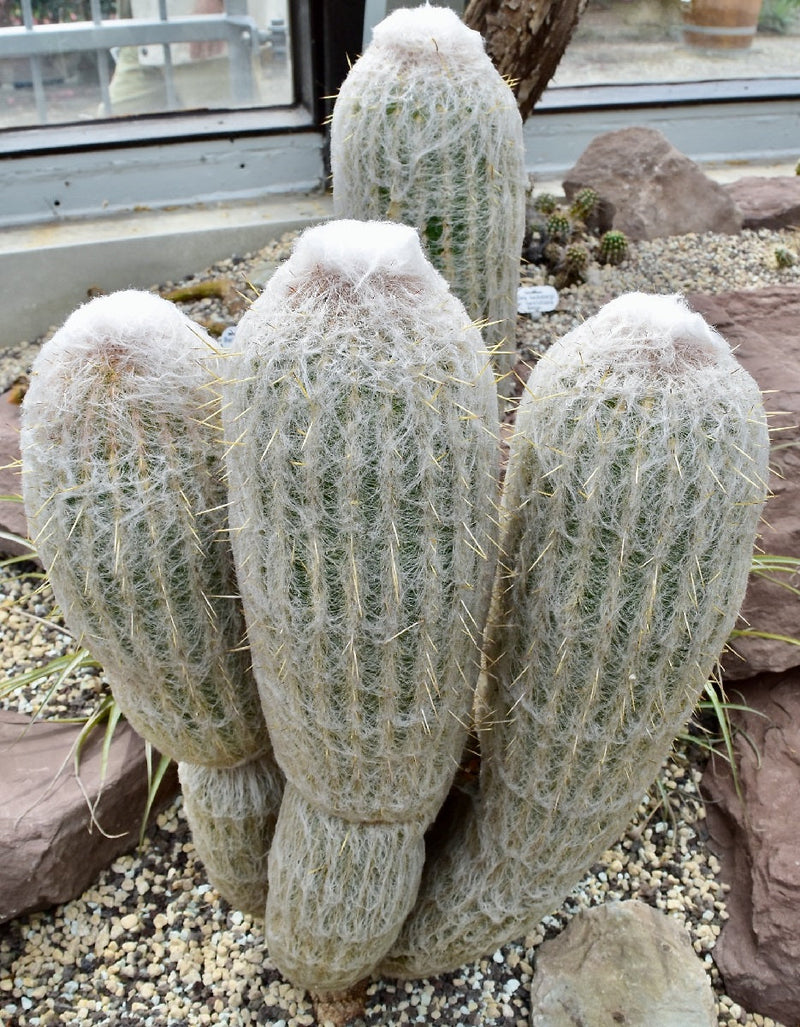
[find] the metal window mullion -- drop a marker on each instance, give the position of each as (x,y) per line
(169,75)
(241,50)
(36,67)
(102,60)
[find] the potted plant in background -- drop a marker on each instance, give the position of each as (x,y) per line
(720,24)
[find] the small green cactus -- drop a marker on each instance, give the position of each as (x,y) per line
(545,203)
(613,248)
(784,257)
(584,204)
(573,265)
(553,255)
(559,226)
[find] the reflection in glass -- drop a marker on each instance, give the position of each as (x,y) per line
(645,41)
(72,60)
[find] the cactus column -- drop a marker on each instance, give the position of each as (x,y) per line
(635,483)
(362,476)
(125,498)
(426,132)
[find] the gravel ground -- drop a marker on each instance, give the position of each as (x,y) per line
(151,944)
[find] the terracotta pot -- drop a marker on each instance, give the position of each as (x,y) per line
(720,24)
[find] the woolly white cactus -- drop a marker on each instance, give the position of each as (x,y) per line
(125,498)
(362,463)
(232,813)
(363,476)
(635,483)
(426,132)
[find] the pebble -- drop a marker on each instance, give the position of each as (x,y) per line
(151,943)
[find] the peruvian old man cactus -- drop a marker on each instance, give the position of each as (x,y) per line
(393,599)
(426,132)
(125,495)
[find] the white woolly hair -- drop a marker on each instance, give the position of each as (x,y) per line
(138,334)
(635,482)
(232,812)
(427,29)
(643,332)
(426,132)
(363,491)
(362,254)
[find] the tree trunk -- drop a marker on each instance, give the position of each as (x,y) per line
(525,39)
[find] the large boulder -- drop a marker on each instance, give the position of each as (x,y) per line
(767,201)
(764,327)
(622,962)
(756,833)
(648,188)
(53,844)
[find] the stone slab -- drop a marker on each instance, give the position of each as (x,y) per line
(12,514)
(756,834)
(763,326)
(767,201)
(52,849)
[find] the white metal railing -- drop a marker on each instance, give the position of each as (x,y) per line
(234,26)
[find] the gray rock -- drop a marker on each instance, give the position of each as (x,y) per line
(12,514)
(764,327)
(757,838)
(649,189)
(51,849)
(621,963)
(767,201)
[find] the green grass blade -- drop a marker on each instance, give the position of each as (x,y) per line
(153,784)
(752,633)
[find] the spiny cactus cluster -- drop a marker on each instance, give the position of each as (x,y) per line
(566,240)
(613,248)
(297,564)
(559,227)
(584,204)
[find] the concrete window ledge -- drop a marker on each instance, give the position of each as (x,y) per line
(46,269)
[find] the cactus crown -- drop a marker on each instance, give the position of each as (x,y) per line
(436,32)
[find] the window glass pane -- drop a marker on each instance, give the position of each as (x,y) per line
(78,60)
(646,41)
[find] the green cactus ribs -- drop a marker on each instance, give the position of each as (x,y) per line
(613,248)
(365,425)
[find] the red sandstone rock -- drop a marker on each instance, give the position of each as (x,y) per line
(758,841)
(764,327)
(648,188)
(51,849)
(767,201)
